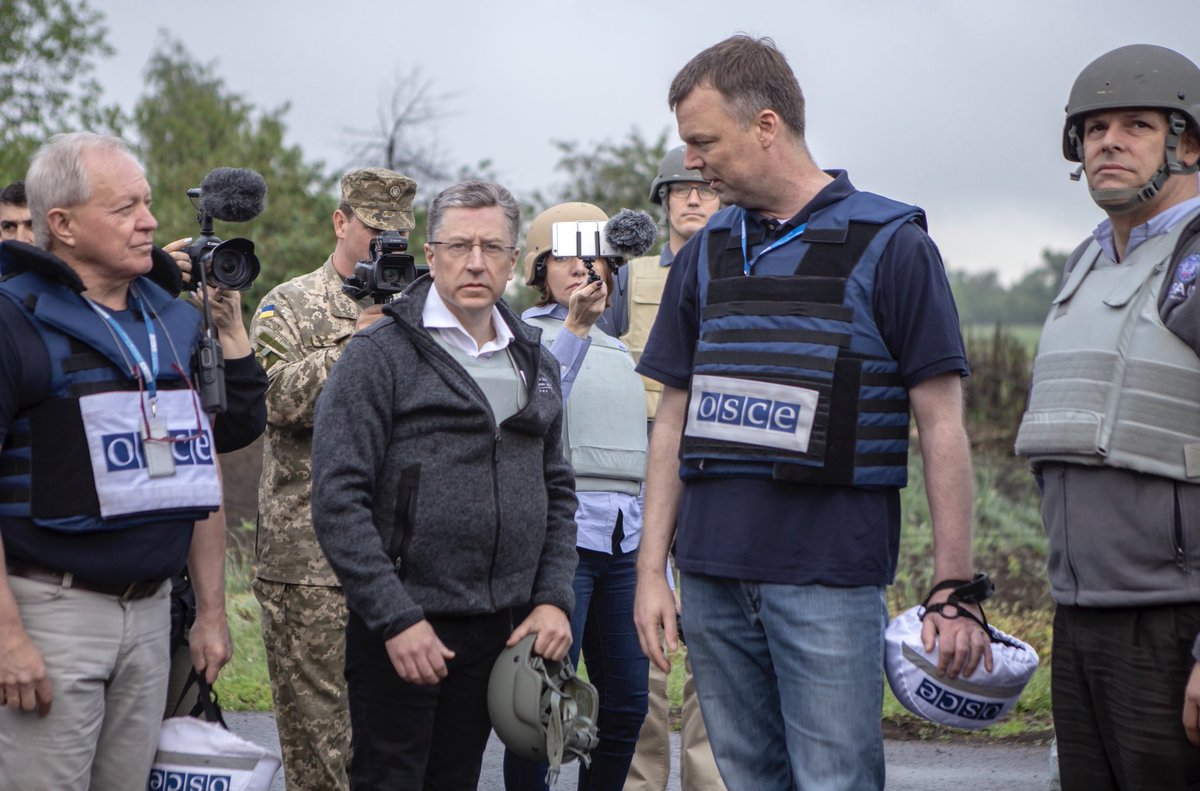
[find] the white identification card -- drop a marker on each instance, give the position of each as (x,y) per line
(751,412)
(156,447)
(131,475)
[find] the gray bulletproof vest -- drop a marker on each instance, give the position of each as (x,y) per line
(1111,384)
(604,419)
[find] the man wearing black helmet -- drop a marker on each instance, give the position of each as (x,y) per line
(687,203)
(1113,433)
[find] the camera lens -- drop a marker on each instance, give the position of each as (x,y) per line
(390,275)
(233,265)
(229,269)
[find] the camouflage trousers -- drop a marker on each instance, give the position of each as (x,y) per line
(304,629)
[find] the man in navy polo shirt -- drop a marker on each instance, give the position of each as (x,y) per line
(795,333)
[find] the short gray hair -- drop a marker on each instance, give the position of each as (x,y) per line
(58,179)
(474,194)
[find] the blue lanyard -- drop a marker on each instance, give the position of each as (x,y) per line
(148,373)
(748,263)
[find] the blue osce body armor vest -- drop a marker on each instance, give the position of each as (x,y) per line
(791,378)
(45,467)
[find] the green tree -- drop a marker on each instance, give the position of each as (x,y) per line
(48,54)
(188,123)
(982,299)
(611,175)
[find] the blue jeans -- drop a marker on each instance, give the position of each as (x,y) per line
(602,625)
(790,680)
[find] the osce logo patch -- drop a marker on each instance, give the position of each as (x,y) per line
(162,780)
(751,412)
(736,410)
(1188,267)
(123,451)
(958,704)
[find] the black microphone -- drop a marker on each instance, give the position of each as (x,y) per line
(630,233)
(233,194)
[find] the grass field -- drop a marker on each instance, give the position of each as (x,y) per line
(1027,334)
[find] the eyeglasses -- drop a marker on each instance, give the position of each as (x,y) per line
(492,251)
(682,189)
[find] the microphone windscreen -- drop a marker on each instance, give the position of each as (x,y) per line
(233,194)
(630,233)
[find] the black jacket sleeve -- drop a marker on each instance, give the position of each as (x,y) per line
(246,415)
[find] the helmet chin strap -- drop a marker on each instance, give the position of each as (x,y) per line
(1119,201)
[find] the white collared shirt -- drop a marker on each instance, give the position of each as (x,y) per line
(436,316)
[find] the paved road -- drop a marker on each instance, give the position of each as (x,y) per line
(911,766)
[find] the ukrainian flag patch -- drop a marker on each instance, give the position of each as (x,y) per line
(266,311)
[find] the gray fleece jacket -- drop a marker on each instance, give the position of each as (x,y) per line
(421,503)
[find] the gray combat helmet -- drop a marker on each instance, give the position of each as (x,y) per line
(671,170)
(1136,76)
(540,709)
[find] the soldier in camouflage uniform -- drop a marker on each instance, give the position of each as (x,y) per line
(299,331)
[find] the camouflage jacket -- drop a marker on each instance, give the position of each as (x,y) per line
(298,332)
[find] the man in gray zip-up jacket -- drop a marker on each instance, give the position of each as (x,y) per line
(443,502)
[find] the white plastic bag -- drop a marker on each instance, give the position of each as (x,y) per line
(194,755)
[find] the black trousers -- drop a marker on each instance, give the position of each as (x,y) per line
(416,736)
(1118,678)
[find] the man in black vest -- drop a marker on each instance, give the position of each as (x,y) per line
(106,463)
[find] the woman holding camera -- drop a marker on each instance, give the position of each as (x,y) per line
(604,438)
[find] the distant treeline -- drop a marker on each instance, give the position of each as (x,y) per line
(982,299)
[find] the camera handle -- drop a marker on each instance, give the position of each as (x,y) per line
(210,359)
(588,264)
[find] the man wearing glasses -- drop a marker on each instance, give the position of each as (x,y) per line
(442,500)
(107,478)
(688,201)
(299,331)
(16,223)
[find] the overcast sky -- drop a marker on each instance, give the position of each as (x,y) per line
(955,105)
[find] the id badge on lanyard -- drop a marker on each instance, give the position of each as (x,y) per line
(156,440)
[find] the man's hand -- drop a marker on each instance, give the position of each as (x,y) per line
(210,644)
(654,614)
(418,655)
(553,630)
(584,307)
(369,316)
(177,251)
(1191,707)
(961,642)
(23,681)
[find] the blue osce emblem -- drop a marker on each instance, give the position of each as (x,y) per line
(748,411)
(1188,267)
(956,703)
(123,451)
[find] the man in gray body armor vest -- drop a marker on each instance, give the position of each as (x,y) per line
(1113,433)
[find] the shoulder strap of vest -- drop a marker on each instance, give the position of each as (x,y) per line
(1073,273)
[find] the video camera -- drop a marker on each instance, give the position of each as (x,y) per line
(388,271)
(230,195)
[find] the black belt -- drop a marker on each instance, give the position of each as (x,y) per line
(32,571)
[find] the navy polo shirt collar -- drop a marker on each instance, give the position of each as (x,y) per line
(760,227)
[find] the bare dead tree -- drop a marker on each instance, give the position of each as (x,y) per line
(404,136)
